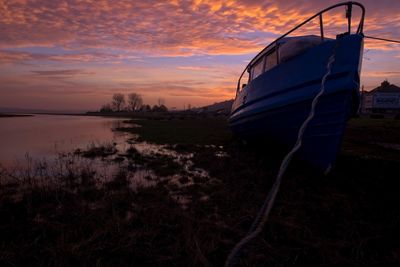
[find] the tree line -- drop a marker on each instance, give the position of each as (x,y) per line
(132,103)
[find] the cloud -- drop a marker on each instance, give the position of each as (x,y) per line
(382,74)
(192,68)
(179,27)
(23,57)
(71,72)
(192,50)
(182,88)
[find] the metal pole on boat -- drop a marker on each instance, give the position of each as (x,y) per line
(321,23)
(348,16)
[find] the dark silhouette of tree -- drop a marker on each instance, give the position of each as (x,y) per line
(145,108)
(106,108)
(135,101)
(161,108)
(118,101)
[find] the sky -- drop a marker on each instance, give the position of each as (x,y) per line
(74,55)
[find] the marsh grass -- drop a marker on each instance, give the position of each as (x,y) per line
(183,131)
(348,218)
(94,150)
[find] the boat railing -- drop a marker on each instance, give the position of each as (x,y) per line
(349,12)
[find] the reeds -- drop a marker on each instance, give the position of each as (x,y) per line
(74,210)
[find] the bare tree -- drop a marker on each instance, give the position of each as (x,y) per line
(135,101)
(118,101)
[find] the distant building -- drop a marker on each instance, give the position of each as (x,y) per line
(383,99)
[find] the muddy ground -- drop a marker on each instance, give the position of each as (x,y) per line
(198,191)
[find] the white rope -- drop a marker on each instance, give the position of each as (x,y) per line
(262,216)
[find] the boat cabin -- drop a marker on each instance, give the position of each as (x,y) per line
(282,51)
(284,48)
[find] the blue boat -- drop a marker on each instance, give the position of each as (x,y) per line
(284,78)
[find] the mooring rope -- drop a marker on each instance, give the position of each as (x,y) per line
(382,39)
(262,215)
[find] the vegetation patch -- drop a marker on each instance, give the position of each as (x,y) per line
(348,218)
(94,150)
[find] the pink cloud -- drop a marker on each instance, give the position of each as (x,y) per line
(171,28)
(9,56)
(68,72)
(95,33)
(192,68)
(382,74)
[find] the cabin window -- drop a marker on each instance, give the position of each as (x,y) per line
(258,68)
(264,64)
(271,60)
(244,80)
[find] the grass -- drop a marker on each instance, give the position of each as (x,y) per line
(186,131)
(94,150)
(348,218)
(364,138)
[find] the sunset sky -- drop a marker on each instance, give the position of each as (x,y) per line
(73,55)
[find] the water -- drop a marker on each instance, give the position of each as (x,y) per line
(41,149)
(44,136)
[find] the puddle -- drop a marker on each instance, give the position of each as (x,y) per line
(178,182)
(221,154)
(183,159)
(107,160)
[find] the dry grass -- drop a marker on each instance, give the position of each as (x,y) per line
(348,218)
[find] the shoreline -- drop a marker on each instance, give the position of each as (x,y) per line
(11,115)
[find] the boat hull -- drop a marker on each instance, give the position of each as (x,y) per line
(275,104)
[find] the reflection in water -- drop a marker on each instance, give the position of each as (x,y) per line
(58,150)
(42,136)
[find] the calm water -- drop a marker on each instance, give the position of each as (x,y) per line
(43,136)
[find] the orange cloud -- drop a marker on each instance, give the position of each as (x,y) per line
(117,45)
(382,74)
(193,68)
(171,28)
